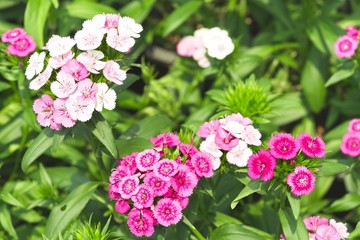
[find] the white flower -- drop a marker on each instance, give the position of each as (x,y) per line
(97,22)
(105,97)
(121,42)
(233,127)
(340,228)
(130,27)
(239,155)
(59,61)
(88,39)
(201,32)
(59,45)
(78,109)
(64,86)
(90,59)
(251,136)
(36,65)
(209,146)
(40,80)
(113,73)
(218,43)
(215,162)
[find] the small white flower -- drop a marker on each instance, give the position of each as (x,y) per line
(105,97)
(88,39)
(59,45)
(36,65)
(251,136)
(130,27)
(209,146)
(59,61)
(78,109)
(239,155)
(40,80)
(91,60)
(97,22)
(234,128)
(201,32)
(218,43)
(121,42)
(64,86)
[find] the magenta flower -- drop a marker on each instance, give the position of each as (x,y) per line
(225,140)
(313,222)
(354,125)
(167,212)
(76,69)
(128,186)
(122,206)
(351,144)
(144,197)
(129,162)
(118,173)
(165,169)
(22,46)
(184,181)
(283,146)
(141,222)
(146,160)
(345,47)
(12,35)
(353,32)
(208,128)
(301,181)
(327,232)
(312,147)
(261,165)
(159,186)
(187,150)
(61,114)
(202,165)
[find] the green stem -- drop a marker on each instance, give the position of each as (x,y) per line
(196,232)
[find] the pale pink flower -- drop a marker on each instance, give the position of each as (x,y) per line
(234,128)
(22,46)
(36,65)
(327,232)
(87,90)
(58,46)
(76,69)
(215,162)
(88,39)
(225,140)
(312,147)
(237,117)
(91,60)
(188,150)
(261,165)
(184,181)
(44,107)
(251,136)
(61,60)
(354,125)
(41,79)
(188,45)
(284,146)
(141,222)
(239,155)
(165,169)
(144,197)
(105,97)
(96,23)
(209,146)
(199,55)
(218,43)
(165,140)
(301,181)
(147,159)
(122,42)
(340,227)
(159,186)
(167,212)
(64,86)
(208,128)
(118,173)
(111,21)
(128,26)
(202,165)
(345,47)
(79,110)
(113,73)
(313,222)
(351,144)
(122,206)
(204,62)
(353,32)
(61,114)
(12,35)
(128,186)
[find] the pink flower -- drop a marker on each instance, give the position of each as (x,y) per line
(128,186)
(165,169)
(261,165)
(165,140)
(22,46)
(122,42)
(184,181)
(312,147)
(79,109)
(44,108)
(144,197)
(76,69)
(340,227)
(114,191)
(141,222)
(345,47)
(91,60)
(283,146)
(353,32)
(61,114)
(129,162)
(301,181)
(327,232)
(225,140)
(251,136)
(312,223)
(111,20)
(237,117)
(118,173)
(61,60)
(122,206)
(64,86)
(87,90)
(113,73)
(239,155)
(12,35)
(188,45)
(202,165)
(208,128)
(351,144)
(88,38)
(187,150)
(159,186)
(354,125)
(167,212)
(146,160)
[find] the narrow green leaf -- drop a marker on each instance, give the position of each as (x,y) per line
(6,222)
(292,228)
(340,75)
(217,95)
(330,167)
(55,3)
(355,233)
(294,204)
(222,218)
(62,214)
(131,78)
(77,9)
(231,231)
(11,200)
(138,10)
(250,188)
(35,18)
(44,176)
(348,202)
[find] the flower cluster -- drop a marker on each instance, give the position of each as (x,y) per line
(154,186)
(289,159)
(345,46)
(351,140)
(232,134)
(214,42)
(21,44)
(78,77)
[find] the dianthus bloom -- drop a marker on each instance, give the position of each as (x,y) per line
(141,222)
(12,35)
(354,125)
(301,181)
(351,144)
(167,212)
(312,147)
(261,165)
(283,146)
(345,47)
(22,46)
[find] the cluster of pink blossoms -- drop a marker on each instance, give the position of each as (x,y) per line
(324,229)
(78,78)
(351,140)
(233,134)
(346,46)
(214,42)
(21,44)
(154,186)
(290,158)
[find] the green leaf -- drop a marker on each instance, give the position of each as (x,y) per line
(62,214)
(41,143)
(250,188)
(340,75)
(77,9)
(138,10)
(231,231)
(348,202)
(179,16)
(44,176)
(11,200)
(330,167)
(55,3)
(294,204)
(6,222)
(217,95)
(35,18)
(338,132)
(131,78)
(222,218)
(128,146)
(292,228)
(355,233)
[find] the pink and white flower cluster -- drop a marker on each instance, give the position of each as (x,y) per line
(154,186)
(298,154)
(346,46)
(213,42)
(232,135)
(21,44)
(351,140)
(78,70)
